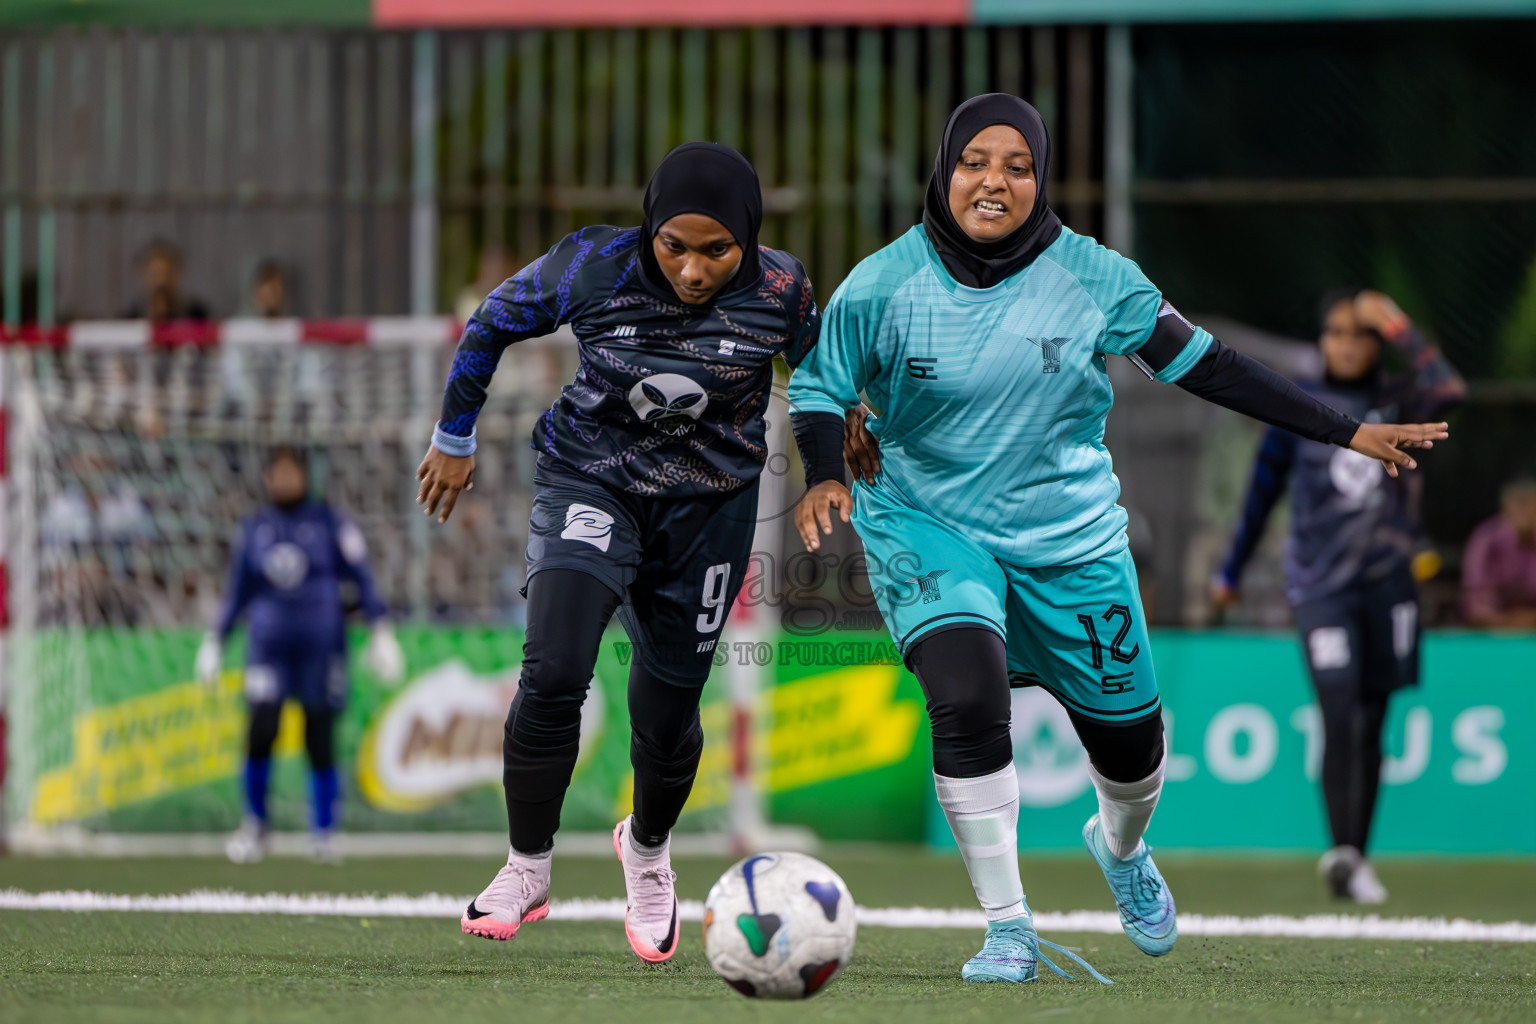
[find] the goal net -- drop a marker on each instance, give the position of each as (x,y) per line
(130,466)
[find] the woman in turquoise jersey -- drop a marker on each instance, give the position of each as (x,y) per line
(987,504)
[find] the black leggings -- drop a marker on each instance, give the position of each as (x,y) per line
(1352,723)
(319,733)
(567,613)
(964,674)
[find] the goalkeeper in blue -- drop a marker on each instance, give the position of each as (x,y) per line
(987,505)
(285,577)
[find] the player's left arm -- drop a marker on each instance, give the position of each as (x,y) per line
(1170,349)
(1230,379)
(382,655)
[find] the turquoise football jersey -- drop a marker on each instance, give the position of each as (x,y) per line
(992,401)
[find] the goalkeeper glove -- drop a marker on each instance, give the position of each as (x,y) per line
(210,660)
(383,656)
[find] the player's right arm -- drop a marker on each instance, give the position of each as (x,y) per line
(1277,454)
(240,587)
(823,388)
(532,303)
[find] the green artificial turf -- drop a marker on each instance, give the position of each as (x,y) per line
(106,967)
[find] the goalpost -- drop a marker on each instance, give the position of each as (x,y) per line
(130,455)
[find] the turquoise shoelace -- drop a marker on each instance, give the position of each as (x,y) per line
(1063,949)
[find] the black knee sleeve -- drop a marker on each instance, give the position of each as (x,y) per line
(320,737)
(261,732)
(1121,753)
(964,675)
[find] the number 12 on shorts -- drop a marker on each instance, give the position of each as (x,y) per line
(717,580)
(1121,682)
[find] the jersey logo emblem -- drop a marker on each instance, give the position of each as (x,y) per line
(285,565)
(923,369)
(585,523)
(1354,476)
(928,585)
(668,396)
(626,331)
(1050,353)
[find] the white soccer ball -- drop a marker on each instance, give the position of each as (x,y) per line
(779,926)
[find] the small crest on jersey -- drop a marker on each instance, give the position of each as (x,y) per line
(928,585)
(1050,353)
(923,368)
(623,331)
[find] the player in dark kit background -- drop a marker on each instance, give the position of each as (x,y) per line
(645,500)
(285,577)
(1348,560)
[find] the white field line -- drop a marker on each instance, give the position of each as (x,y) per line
(1316,926)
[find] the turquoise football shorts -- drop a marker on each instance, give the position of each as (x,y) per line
(1076,630)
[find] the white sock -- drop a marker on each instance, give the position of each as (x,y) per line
(1125,808)
(528,858)
(983,814)
(642,851)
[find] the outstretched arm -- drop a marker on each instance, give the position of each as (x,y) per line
(1230,379)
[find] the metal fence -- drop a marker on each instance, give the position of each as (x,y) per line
(346,156)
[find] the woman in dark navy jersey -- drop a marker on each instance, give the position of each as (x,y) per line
(645,499)
(1347,566)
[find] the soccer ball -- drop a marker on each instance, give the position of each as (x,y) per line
(779,925)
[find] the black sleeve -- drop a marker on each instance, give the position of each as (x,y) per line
(819,436)
(1234,381)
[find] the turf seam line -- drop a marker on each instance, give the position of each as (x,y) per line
(437,905)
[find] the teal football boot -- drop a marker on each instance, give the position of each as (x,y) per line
(1146,905)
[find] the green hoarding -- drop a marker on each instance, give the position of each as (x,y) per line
(840,738)
(118,738)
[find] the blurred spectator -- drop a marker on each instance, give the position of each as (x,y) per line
(1498,570)
(1348,560)
(163,299)
(270,297)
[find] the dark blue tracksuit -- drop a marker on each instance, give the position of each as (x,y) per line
(285,575)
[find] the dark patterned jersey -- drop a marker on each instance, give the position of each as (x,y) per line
(669,398)
(1351,523)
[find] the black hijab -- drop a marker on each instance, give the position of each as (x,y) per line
(712,179)
(983,264)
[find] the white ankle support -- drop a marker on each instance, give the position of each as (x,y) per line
(983,814)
